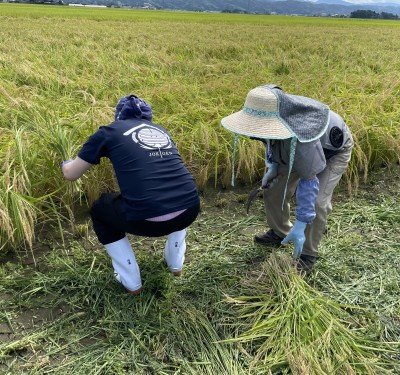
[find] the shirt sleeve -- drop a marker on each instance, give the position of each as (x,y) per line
(94,148)
(306,195)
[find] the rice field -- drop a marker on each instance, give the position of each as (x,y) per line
(63,69)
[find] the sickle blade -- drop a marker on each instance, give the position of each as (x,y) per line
(251,197)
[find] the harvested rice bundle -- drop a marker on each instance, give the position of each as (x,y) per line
(292,326)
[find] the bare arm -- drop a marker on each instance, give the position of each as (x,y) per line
(75,169)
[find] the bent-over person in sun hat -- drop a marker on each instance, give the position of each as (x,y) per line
(308,148)
(158,195)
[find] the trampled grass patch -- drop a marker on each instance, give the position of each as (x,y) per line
(70,315)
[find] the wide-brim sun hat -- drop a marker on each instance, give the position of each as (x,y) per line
(270,113)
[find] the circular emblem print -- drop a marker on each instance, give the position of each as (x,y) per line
(152,138)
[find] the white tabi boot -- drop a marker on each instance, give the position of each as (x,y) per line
(174,252)
(125,265)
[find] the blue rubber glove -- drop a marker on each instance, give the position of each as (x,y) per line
(272,172)
(297,236)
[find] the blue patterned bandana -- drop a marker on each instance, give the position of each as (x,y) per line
(133,107)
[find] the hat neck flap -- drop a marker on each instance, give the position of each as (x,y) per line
(306,118)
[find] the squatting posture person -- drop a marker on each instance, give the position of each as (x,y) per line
(158,195)
(308,148)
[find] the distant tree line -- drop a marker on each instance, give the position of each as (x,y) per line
(370,14)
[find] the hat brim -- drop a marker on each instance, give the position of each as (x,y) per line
(271,127)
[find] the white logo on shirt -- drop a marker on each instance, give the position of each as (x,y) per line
(150,138)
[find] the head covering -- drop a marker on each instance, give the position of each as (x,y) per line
(131,106)
(270,113)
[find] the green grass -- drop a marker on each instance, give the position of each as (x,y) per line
(69,315)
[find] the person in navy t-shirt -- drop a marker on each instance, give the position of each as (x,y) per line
(158,196)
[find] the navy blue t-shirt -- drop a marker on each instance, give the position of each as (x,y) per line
(151,175)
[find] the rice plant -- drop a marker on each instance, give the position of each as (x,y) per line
(292,325)
(17,206)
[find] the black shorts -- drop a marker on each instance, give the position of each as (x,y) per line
(110,223)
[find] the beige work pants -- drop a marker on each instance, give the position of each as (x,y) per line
(278,216)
